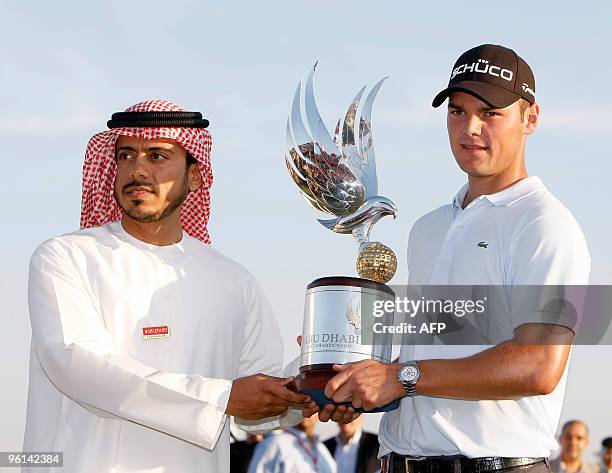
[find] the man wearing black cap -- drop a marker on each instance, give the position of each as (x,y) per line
(482,408)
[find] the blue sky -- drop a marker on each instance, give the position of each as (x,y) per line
(66,66)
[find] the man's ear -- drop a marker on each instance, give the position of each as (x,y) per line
(532,118)
(195,178)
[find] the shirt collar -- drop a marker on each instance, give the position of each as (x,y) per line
(459,196)
(506,197)
(353,440)
(302,435)
(176,249)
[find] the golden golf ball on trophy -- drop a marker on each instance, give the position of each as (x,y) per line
(376,262)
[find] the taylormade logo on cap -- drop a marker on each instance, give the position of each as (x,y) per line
(528,89)
(483,66)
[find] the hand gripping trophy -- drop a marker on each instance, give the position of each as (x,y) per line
(338,176)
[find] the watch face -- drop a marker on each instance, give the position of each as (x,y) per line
(409,373)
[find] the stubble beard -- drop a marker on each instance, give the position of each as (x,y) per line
(143,216)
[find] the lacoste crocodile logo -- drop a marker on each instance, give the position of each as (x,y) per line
(482,244)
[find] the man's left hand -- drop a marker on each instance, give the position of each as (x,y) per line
(367,384)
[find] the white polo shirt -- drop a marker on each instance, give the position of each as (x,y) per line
(522,235)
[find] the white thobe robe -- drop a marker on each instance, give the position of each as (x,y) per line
(115,402)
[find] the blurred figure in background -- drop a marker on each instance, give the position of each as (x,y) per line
(573,439)
(354,450)
(294,450)
(606,455)
(241,452)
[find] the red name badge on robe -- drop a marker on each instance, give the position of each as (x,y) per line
(148,333)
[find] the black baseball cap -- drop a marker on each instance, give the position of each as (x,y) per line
(494,74)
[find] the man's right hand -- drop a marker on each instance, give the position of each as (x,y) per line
(258,396)
(340,414)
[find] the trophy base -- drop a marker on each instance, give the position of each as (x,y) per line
(312,381)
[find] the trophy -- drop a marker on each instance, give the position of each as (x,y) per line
(338,176)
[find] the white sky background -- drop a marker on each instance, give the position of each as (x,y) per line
(66,66)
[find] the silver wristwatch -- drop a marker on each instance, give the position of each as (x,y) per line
(409,375)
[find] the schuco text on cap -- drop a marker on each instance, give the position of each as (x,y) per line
(494,74)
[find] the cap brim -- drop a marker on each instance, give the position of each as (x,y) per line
(491,94)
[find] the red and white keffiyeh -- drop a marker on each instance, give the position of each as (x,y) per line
(98,203)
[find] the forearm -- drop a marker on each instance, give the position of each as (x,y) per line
(506,371)
(189,407)
(289,418)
